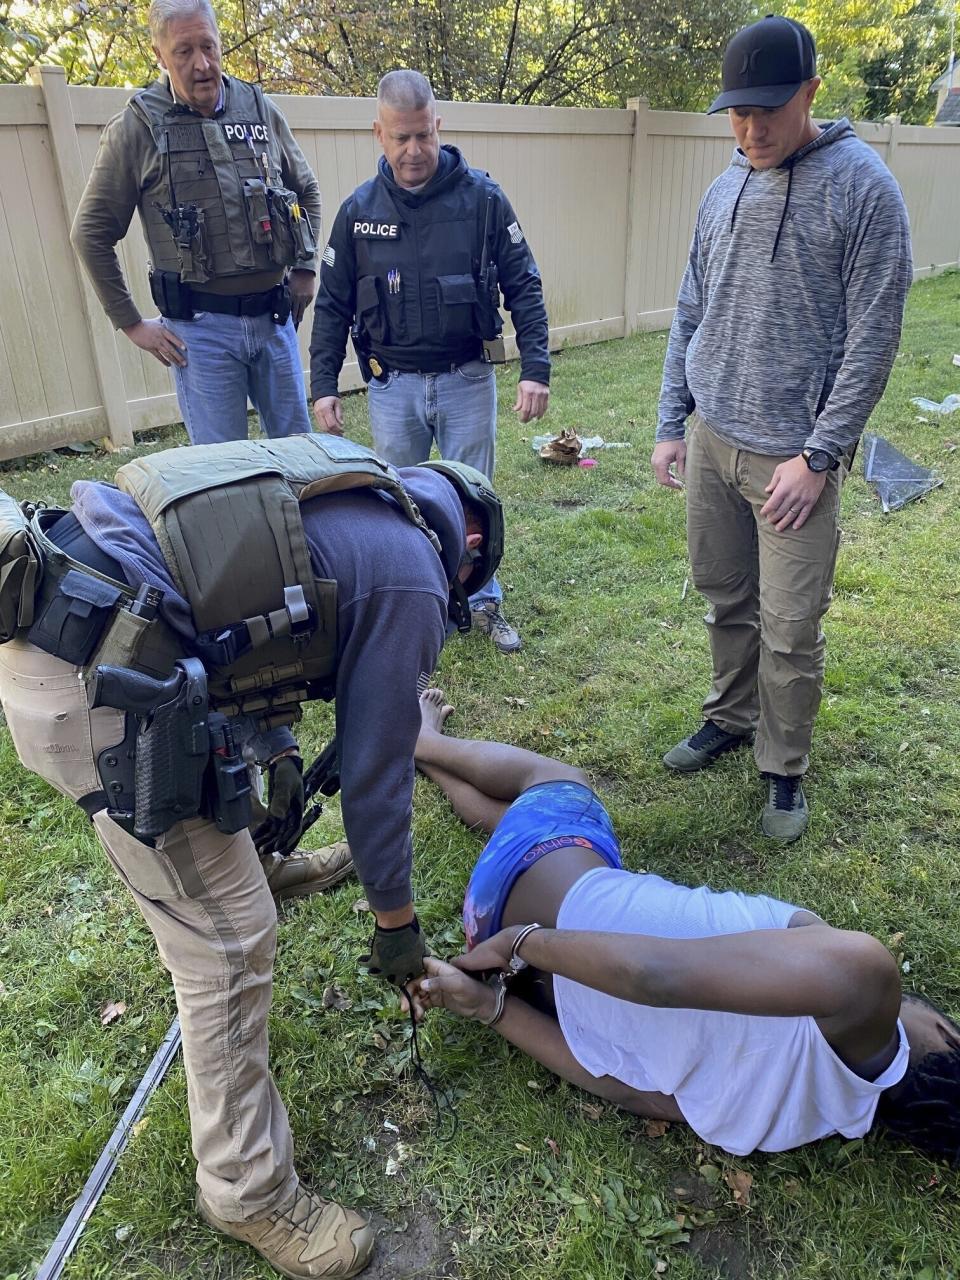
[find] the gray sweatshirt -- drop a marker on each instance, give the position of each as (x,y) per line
(789,312)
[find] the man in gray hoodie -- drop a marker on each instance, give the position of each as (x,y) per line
(787,323)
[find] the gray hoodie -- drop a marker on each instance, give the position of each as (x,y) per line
(789,312)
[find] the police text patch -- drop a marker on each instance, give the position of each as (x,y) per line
(516,235)
(364,229)
(329,255)
(245,132)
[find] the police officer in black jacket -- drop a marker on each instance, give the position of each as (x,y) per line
(413,270)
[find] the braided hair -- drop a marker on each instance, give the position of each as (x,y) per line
(924,1109)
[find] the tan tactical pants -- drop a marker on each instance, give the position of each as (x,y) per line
(206,900)
(767,593)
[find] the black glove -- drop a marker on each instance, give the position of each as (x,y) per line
(396,955)
(286,789)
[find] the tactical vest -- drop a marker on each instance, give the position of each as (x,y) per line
(225,209)
(227,520)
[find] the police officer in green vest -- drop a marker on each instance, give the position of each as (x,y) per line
(342,590)
(230,211)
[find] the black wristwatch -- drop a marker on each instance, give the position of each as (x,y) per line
(820,460)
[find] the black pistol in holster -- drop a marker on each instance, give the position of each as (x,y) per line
(489,319)
(153,779)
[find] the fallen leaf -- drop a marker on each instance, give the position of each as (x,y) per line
(335,997)
(139,1127)
(47,910)
(111,1011)
(552,1145)
(655,1128)
(124,1232)
(360,906)
(661,1266)
(393,1128)
(739,1182)
(516,702)
(400,1155)
(897,939)
(591,1110)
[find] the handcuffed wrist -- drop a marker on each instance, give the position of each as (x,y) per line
(499,990)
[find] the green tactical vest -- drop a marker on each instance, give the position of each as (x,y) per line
(222,167)
(227,519)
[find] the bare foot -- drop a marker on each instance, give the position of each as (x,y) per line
(433,711)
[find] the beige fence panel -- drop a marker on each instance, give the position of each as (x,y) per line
(926,163)
(607,199)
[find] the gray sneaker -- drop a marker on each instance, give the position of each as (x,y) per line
(700,750)
(488,617)
(785,815)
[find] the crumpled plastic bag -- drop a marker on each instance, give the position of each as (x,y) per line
(563,450)
(949,405)
(896,479)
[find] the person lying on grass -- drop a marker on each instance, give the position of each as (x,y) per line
(750,1019)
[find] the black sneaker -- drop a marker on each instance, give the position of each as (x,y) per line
(699,751)
(785,815)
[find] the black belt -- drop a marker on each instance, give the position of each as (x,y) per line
(240,304)
(448,366)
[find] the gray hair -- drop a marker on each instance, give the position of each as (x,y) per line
(400,90)
(162,13)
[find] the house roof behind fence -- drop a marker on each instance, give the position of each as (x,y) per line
(949,113)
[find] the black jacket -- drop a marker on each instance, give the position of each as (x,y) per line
(405,266)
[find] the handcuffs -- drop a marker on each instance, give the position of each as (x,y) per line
(500,983)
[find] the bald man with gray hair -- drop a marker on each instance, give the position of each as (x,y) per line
(230,214)
(414,271)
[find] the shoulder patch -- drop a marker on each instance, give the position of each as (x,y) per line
(329,256)
(516,235)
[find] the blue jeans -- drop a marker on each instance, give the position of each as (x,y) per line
(231,358)
(458,410)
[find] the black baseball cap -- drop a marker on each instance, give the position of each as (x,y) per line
(766,63)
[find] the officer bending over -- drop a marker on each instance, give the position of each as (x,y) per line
(348,574)
(230,210)
(414,268)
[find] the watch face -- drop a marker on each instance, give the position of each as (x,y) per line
(819,460)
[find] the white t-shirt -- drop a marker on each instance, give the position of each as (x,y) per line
(743,1082)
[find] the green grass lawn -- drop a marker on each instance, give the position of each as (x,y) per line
(539,1181)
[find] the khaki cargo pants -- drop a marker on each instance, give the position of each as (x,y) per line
(768,593)
(206,900)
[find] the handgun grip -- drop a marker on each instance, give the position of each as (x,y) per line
(128,690)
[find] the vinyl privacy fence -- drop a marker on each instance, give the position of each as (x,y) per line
(607,199)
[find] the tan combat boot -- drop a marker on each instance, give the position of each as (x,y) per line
(307,871)
(306,1237)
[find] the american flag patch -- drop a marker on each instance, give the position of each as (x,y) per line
(516,235)
(329,255)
